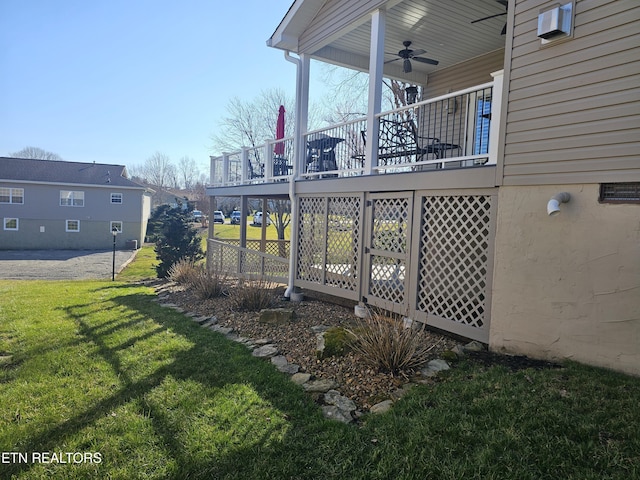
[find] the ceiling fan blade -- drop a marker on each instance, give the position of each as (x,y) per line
(418,52)
(389,61)
(504,3)
(429,61)
(504,30)
(487,18)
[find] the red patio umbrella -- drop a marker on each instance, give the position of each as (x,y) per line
(279,148)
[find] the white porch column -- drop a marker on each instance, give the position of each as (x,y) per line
(303,67)
(376,65)
(302,114)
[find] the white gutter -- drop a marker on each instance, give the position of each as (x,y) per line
(297,135)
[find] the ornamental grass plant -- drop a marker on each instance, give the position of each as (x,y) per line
(253,294)
(386,343)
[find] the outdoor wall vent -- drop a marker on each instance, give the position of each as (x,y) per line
(555,22)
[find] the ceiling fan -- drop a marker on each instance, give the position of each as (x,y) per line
(505,4)
(407,55)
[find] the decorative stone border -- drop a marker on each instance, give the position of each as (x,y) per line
(334,406)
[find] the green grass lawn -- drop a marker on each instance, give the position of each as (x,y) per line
(99,368)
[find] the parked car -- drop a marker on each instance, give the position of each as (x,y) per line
(235,217)
(218,217)
(257,219)
(197,215)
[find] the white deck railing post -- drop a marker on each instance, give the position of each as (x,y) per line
(496,108)
(244,165)
(268,161)
(225,168)
(376,66)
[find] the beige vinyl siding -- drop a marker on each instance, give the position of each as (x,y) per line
(474,72)
(574,105)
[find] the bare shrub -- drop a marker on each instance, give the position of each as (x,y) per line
(253,295)
(210,285)
(185,271)
(384,343)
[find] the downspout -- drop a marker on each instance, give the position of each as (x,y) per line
(297,140)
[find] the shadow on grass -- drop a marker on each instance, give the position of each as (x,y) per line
(210,361)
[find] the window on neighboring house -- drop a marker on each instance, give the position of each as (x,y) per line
(73,226)
(11,223)
(70,198)
(117,225)
(116,198)
(12,195)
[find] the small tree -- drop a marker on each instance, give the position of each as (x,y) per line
(177,239)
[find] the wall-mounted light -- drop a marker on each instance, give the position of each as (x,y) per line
(412,94)
(553,207)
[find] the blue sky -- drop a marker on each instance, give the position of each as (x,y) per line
(114,81)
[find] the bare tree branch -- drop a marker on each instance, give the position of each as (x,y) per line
(36,153)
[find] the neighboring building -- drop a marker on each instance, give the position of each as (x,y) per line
(48,204)
(439,210)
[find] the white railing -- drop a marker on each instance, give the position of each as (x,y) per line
(456,130)
(225,257)
(335,151)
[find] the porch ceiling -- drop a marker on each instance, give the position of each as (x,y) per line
(442,28)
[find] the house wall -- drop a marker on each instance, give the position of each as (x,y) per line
(568,286)
(464,75)
(574,105)
(42,220)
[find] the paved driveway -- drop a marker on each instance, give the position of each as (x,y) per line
(61,264)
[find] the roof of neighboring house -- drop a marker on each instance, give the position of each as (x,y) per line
(54,171)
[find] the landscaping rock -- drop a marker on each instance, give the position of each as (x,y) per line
(321,385)
(206,321)
(475,346)
(334,413)
(320,345)
(265,351)
(320,328)
(276,316)
(281,363)
(382,407)
(222,330)
(300,378)
(401,392)
(434,366)
(346,405)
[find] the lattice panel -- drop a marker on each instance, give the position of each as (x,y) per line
(328,250)
(454,244)
(387,279)
(390,226)
(311,241)
(343,234)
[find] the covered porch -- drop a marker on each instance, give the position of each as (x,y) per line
(396,207)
